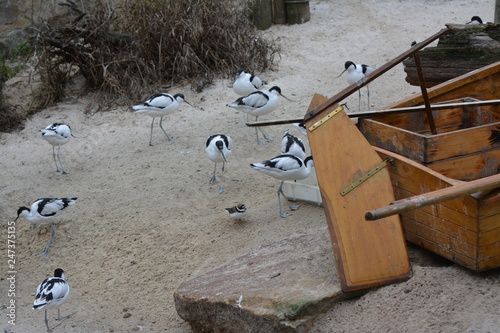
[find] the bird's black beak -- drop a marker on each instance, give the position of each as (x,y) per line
(224,157)
(341,73)
(288,99)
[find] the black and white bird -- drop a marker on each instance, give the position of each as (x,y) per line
(45,209)
(257,104)
(51,294)
(292,145)
(477,20)
(238,211)
(57,134)
(246,83)
(356,73)
(285,167)
(218,148)
(160,105)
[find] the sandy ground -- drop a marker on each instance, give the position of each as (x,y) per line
(147,218)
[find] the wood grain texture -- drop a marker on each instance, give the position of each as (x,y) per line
(368,254)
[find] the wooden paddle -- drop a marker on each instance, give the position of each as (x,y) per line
(367,254)
(435,197)
(367,114)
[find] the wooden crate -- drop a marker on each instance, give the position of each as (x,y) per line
(466,147)
(465,230)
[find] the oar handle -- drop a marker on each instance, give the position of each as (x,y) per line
(409,109)
(434,197)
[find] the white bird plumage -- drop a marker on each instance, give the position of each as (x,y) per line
(285,167)
(257,104)
(57,134)
(45,209)
(246,83)
(237,212)
(356,73)
(160,105)
(51,294)
(218,148)
(291,144)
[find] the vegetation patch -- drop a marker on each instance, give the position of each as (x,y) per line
(128,49)
(138,44)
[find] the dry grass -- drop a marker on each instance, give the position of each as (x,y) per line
(126,52)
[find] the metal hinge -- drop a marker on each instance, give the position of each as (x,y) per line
(367,176)
(325,118)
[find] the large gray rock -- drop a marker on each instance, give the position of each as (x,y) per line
(282,287)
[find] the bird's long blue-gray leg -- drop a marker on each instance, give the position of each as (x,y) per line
(57,156)
(257,137)
(221,189)
(59,315)
(292,207)
(279,200)
(50,243)
(264,134)
(213,179)
(169,138)
(359,100)
(151,133)
(54,156)
(47,322)
(60,162)
(368,92)
(257,128)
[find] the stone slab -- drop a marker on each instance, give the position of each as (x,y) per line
(281,287)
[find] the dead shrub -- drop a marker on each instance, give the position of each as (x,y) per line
(125,52)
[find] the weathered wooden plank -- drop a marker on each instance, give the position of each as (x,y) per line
(490,237)
(489,223)
(464,205)
(489,204)
(393,138)
(469,167)
(438,248)
(491,250)
(367,254)
(488,263)
(462,86)
(425,180)
(437,196)
(417,121)
(443,225)
(441,211)
(450,246)
(450,142)
(477,105)
(462,142)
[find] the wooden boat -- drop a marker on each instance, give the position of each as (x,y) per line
(466,147)
(435,141)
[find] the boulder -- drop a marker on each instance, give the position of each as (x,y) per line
(281,287)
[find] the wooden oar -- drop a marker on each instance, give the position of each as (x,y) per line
(418,108)
(434,197)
